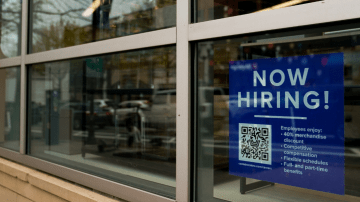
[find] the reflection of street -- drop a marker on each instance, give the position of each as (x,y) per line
(159,172)
(108,133)
(151,162)
(113,116)
(223,182)
(221,149)
(11,144)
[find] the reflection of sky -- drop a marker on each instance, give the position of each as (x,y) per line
(9,40)
(121,7)
(55,6)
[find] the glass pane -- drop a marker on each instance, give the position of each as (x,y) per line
(226,156)
(10,108)
(56,24)
(10,28)
(102,115)
(216,9)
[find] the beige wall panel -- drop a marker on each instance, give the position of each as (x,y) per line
(27,190)
(7,195)
(22,199)
(36,186)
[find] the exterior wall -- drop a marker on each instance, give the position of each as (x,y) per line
(22,184)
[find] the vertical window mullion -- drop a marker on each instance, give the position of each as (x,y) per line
(183,78)
(24,25)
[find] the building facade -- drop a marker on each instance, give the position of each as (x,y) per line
(165,100)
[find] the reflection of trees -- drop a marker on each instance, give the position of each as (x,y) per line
(60,8)
(141,20)
(143,69)
(163,3)
(145,18)
(57,24)
(10,15)
(60,35)
(56,72)
(168,60)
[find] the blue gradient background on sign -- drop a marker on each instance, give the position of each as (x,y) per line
(325,74)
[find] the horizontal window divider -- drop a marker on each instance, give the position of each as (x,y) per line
(127,43)
(10,62)
(314,38)
(300,15)
(97,183)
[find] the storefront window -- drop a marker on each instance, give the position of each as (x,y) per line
(112,116)
(277,116)
(216,9)
(10,108)
(10,28)
(57,24)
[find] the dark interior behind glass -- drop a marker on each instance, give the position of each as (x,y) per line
(217,9)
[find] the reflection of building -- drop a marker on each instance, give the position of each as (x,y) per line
(150,70)
(57,78)
(73,30)
(225,8)
(144,20)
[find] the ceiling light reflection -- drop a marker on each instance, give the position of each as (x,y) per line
(283,5)
(90,10)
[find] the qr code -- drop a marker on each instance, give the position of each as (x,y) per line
(255,143)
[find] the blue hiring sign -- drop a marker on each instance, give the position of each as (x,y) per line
(286,121)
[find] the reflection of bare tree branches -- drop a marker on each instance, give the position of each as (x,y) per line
(10,12)
(84,5)
(76,29)
(60,14)
(56,24)
(13,20)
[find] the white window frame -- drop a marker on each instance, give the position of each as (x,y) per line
(182,35)
(10,62)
